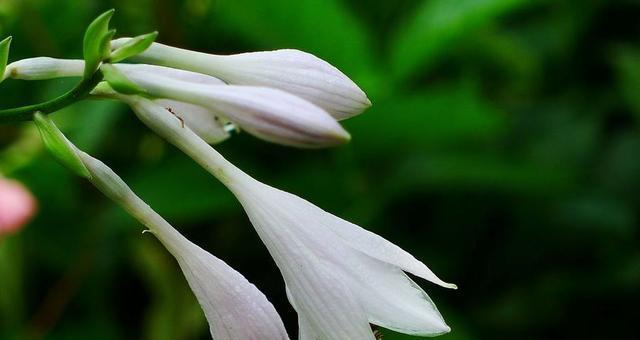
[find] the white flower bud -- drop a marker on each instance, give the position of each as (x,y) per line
(293,71)
(270,114)
(44,68)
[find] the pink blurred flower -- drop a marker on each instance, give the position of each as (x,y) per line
(17,206)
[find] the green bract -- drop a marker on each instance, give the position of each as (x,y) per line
(59,146)
(105,44)
(133,47)
(4,55)
(95,42)
(118,81)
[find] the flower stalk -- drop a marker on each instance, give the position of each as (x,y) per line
(26,113)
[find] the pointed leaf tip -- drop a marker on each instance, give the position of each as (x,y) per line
(5,44)
(59,146)
(133,47)
(94,41)
(105,44)
(119,81)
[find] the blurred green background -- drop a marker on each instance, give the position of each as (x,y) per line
(501,149)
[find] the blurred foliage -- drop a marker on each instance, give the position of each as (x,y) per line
(502,149)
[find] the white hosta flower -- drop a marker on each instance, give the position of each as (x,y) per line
(44,68)
(293,71)
(234,308)
(270,114)
(339,276)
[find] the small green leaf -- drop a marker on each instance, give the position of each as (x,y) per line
(133,47)
(4,55)
(105,44)
(93,43)
(59,145)
(118,81)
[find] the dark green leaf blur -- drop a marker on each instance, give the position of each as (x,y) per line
(502,149)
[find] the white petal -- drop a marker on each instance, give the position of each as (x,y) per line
(361,239)
(388,297)
(296,72)
(381,249)
(305,331)
(270,114)
(317,290)
(326,304)
(234,307)
(391,299)
(293,71)
(207,124)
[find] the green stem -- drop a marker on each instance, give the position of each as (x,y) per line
(25,113)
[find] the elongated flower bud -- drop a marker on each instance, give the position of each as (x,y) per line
(44,68)
(293,71)
(270,114)
(41,68)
